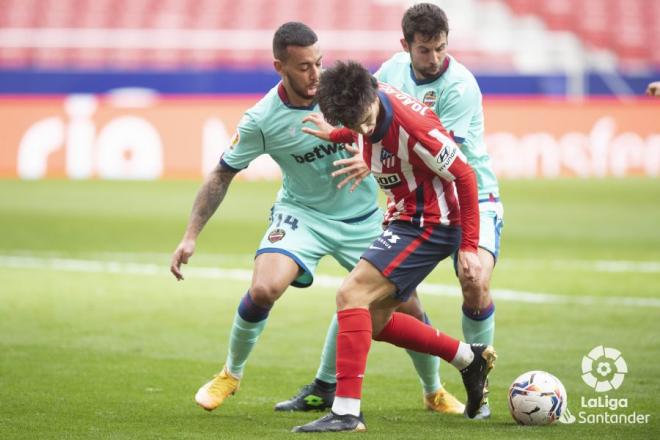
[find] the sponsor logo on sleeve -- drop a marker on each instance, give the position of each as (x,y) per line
(446,157)
(235,139)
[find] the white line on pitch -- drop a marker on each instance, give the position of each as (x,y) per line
(608,266)
(77,265)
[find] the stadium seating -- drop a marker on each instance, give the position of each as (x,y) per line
(499,35)
(628,28)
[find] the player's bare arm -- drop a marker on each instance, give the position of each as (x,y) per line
(208,199)
(466,187)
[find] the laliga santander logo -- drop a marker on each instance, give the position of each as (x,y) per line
(604,369)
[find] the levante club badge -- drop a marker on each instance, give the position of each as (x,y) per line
(276,235)
(430,98)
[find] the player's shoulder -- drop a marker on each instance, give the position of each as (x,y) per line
(266,108)
(398,59)
(398,62)
(457,75)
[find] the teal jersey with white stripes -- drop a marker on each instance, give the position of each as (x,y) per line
(273,127)
(456,98)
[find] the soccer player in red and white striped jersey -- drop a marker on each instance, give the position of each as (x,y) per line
(432,213)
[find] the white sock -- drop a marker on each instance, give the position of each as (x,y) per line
(346,405)
(464,356)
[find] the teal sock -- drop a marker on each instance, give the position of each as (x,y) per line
(244,335)
(427,367)
(479,331)
(327,368)
(428,370)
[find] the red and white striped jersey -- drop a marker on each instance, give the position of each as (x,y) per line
(419,167)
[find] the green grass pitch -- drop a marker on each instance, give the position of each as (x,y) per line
(97,339)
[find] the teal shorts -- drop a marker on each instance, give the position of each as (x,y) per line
(491,221)
(306,236)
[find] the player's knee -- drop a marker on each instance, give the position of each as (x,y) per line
(413,308)
(378,323)
(475,293)
(264,294)
(349,298)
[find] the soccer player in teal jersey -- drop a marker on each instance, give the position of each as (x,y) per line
(425,71)
(310,219)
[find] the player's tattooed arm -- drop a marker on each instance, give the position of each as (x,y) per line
(209,197)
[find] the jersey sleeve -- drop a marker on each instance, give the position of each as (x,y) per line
(343,135)
(246,145)
(441,155)
(457,110)
(435,148)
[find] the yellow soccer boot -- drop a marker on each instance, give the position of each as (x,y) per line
(213,393)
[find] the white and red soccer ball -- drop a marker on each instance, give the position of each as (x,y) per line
(537,398)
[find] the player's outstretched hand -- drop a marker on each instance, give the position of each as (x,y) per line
(323,128)
(180,256)
(653,89)
(470,265)
(354,168)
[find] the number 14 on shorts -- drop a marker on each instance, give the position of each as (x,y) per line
(279,219)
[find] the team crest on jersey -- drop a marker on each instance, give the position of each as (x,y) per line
(276,235)
(430,98)
(387,159)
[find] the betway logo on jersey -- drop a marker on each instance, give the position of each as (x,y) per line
(319,152)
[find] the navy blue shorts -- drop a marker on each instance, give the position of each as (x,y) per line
(405,254)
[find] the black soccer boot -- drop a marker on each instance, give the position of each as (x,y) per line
(311,397)
(334,423)
(474,377)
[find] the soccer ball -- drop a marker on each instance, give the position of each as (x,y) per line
(537,398)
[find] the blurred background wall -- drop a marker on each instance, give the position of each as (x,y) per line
(147,89)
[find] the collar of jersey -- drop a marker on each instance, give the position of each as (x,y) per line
(422,82)
(281,92)
(379,132)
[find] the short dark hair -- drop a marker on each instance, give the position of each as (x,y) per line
(425,19)
(346,90)
(292,33)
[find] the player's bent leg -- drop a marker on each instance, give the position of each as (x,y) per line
(273,272)
(478,308)
(478,318)
(474,361)
(434,397)
(364,286)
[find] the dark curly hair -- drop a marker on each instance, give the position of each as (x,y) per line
(346,90)
(425,19)
(292,33)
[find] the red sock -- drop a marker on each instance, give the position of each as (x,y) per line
(353,343)
(407,332)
